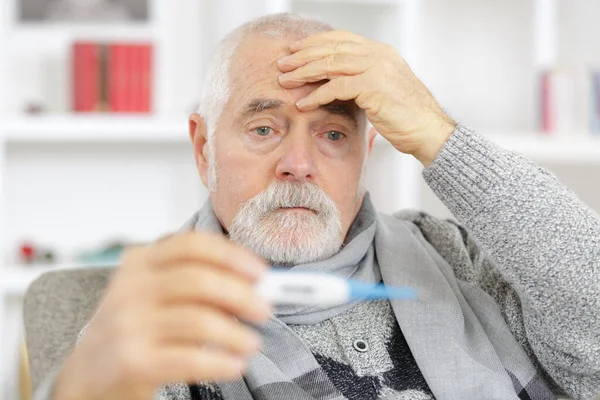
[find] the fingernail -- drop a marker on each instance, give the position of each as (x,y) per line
(287,77)
(302,103)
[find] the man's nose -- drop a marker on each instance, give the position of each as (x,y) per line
(297,161)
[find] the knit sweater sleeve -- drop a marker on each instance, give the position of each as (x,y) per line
(543,241)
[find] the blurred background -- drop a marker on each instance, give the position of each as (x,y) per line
(95,94)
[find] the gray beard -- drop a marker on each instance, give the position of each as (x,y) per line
(289,237)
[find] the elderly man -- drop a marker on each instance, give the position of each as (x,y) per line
(508,307)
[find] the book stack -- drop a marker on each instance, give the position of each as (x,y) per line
(112,77)
(557,100)
(569,101)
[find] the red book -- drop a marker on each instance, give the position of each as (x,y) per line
(91,83)
(118,78)
(136,78)
(113,82)
(86,76)
(147,78)
(130,75)
(597,94)
(546,103)
(123,79)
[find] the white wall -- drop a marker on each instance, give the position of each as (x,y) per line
(77,196)
(477,60)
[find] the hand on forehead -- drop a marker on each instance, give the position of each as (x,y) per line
(255,82)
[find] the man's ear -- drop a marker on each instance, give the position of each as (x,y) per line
(198,136)
(371,139)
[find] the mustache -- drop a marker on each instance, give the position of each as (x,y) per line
(289,195)
(287,238)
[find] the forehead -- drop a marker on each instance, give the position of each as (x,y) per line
(255,62)
(254,73)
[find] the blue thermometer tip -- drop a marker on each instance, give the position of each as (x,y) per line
(365,291)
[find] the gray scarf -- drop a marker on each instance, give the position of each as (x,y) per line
(455,331)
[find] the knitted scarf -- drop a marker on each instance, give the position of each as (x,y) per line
(455,330)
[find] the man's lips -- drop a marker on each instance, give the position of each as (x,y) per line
(297,209)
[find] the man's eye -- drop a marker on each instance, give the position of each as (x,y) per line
(263,131)
(334,135)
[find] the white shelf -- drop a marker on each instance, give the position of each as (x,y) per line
(135,31)
(85,128)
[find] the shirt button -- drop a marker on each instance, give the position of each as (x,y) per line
(360,345)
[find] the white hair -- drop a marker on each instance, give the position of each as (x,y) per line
(217,86)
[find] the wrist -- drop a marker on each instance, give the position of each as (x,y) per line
(437,136)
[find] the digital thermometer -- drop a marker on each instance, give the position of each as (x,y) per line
(313,288)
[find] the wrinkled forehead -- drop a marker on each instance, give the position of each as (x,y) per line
(254,70)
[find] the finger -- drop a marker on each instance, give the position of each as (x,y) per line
(309,54)
(194,363)
(207,326)
(319,38)
(209,286)
(211,248)
(330,67)
(342,88)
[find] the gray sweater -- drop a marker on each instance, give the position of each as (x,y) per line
(535,248)
(524,238)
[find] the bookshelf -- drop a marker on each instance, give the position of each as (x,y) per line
(97,128)
(481,59)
